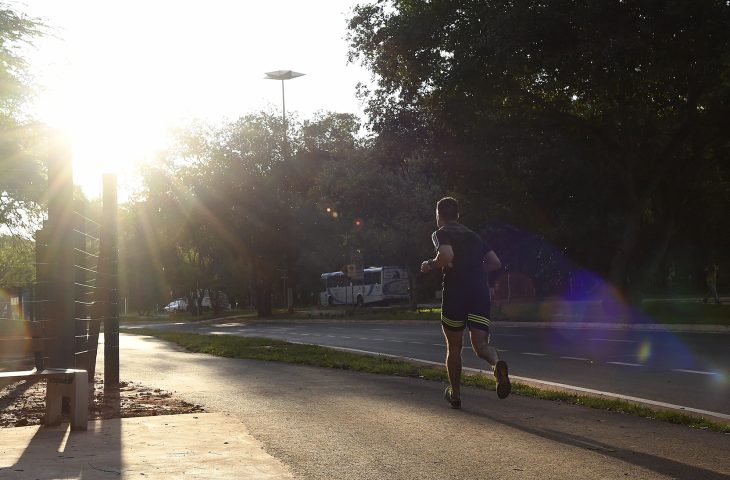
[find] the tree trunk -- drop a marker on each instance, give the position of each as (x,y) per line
(659,253)
(263,290)
(263,301)
(412,293)
(619,263)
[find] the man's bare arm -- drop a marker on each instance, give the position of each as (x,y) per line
(444,257)
(491,262)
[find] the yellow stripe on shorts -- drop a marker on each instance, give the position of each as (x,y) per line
(479,319)
(452,323)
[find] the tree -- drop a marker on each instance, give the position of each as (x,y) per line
(386,213)
(143,259)
(561,109)
(229,196)
(21,172)
(17,260)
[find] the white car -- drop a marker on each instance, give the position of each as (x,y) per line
(177,305)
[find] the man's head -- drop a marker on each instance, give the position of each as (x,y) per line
(447,211)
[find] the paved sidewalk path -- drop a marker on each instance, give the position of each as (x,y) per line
(326,423)
(194,446)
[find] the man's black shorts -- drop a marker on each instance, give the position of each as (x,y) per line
(463,308)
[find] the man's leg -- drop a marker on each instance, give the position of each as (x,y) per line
(454,344)
(480,343)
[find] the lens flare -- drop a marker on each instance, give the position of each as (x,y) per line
(644,352)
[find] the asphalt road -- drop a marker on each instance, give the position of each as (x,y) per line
(328,423)
(685,369)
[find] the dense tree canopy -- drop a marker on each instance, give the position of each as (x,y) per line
(576,135)
(21,177)
(229,211)
(17,261)
(599,120)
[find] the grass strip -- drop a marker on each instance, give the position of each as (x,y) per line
(255,348)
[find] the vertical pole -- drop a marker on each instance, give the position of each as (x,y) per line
(286,187)
(108,269)
(61,325)
(81,290)
(40,293)
(509,289)
(283,108)
(283,121)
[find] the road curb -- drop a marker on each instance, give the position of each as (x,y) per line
(564,388)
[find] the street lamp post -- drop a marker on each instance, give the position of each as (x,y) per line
(283,75)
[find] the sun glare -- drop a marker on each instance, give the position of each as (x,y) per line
(118,76)
(111,130)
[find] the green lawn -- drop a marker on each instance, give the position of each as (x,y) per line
(669,312)
(664,312)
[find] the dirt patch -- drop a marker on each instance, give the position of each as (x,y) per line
(23,403)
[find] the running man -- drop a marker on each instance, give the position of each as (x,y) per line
(465,261)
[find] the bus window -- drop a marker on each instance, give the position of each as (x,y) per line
(372,278)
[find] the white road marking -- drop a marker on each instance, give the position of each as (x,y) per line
(363,338)
(379,339)
(534,354)
(625,364)
(346,337)
(611,340)
(417,343)
(577,358)
(700,372)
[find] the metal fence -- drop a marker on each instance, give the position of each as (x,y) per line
(74,292)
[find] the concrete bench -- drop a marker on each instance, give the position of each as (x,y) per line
(62,382)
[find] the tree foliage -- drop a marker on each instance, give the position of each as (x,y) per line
(17,261)
(555,111)
(228,210)
(21,171)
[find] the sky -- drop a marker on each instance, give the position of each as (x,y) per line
(115,76)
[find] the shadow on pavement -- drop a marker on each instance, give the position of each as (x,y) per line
(99,448)
(655,463)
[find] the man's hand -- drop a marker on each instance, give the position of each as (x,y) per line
(425,267)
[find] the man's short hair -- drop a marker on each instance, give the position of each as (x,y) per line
(448,209)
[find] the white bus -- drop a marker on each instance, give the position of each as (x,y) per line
(379,285)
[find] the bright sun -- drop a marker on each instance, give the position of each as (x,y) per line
(111,130)
(118,76)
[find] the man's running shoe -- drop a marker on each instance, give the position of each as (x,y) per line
(502,377)
(449,395)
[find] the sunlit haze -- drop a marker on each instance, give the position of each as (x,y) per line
(117,76)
